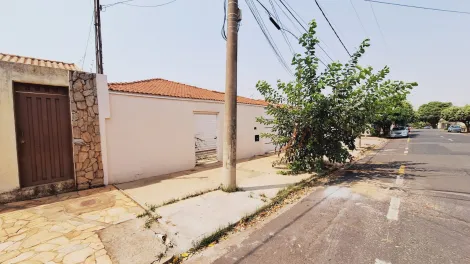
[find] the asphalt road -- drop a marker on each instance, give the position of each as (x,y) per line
(406,203)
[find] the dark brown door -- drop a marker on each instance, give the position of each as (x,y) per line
(44,134)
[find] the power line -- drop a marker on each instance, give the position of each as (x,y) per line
(289,18)
(277,17)
(267,35)
(359,18)
(126,2)
(88,39)
(167,3)
(283,32)
(306,23)
(332,28)
(420,7)
(222,31)
(290,12)
(378,25)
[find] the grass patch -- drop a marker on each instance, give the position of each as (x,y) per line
(231,189)
(212,238)
(174,200)
(150,215)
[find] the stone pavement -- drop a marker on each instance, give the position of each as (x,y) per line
(62,228)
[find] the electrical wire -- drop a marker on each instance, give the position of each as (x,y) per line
(344,46)
(283,31)
(126,2)
(222,31)
(359,18)
(88,39)
(167,3)
(277,17)
(420,7)
(378,25)
(289,18)
(306,23)
(254,11)
(290,12)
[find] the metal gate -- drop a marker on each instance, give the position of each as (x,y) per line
(43,133)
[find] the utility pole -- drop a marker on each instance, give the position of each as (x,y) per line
(229,181)
(98,48)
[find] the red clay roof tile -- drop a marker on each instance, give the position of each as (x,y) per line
(38,62)
(162,87)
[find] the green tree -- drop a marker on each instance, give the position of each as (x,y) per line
(431,112)
(393,110)
(457,114)
(310,123)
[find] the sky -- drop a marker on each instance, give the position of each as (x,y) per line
(181,41)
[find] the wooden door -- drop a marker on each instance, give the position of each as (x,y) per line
(43,133)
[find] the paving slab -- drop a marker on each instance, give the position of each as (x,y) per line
(131,242)
(188,221)
(62,228)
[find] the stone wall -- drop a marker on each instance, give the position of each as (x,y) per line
(86,130)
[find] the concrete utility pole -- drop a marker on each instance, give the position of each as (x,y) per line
(98,48)
(230,121)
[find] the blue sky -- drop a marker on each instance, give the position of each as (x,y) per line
(182,42)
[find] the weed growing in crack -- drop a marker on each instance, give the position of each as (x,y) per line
(150,215)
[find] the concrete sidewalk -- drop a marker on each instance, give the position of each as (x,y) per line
(188,221)
(100,225)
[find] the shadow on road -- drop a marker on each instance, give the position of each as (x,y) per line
(388,170)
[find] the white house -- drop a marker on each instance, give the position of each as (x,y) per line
(152,126)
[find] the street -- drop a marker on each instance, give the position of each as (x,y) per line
(408,202)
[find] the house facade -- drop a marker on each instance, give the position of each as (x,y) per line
(156,127)
(62,129)
(50,132)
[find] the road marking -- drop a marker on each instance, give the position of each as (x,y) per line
(442,136)
(406,152)
(409,139)
(399,180)
(450,139)
(393,209)
(378,261)
(401,170)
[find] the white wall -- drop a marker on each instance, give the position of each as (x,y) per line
(150,136)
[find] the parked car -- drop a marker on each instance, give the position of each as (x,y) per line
(455,128)
(399,132)
(427,127)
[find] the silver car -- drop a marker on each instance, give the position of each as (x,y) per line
(454,128)
(399,132)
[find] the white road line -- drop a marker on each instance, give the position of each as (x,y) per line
(442,136)
(406,148)
(393,209)
(450,139)
(378,261)
(399,180)
(406,152)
